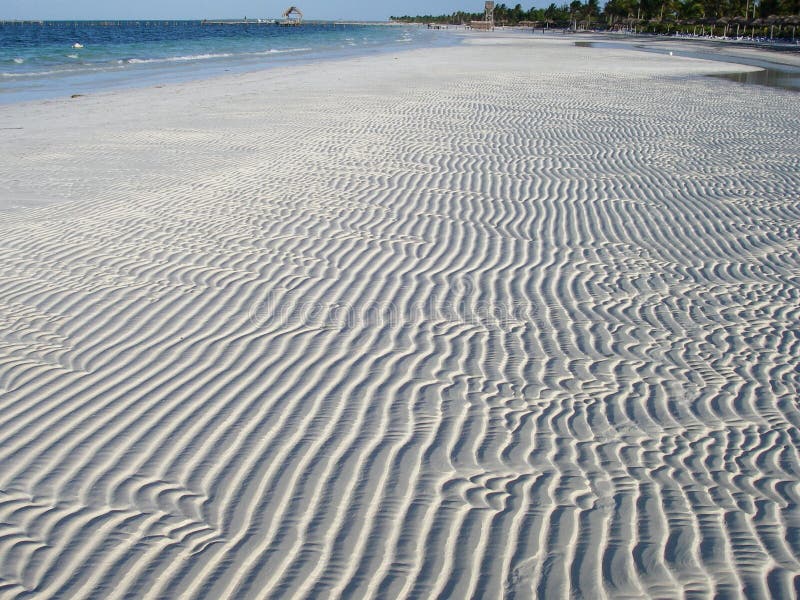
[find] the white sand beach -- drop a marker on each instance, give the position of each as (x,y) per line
(511,319)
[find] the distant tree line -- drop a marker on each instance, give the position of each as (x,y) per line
(654,15)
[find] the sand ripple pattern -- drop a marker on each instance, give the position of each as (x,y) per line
(507,336)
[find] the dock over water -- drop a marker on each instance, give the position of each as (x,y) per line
(239,22)
(281,22)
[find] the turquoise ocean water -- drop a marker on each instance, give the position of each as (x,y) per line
(55,59)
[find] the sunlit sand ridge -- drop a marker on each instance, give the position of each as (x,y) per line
(511,319)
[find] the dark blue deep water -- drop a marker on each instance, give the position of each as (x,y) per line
(52,59)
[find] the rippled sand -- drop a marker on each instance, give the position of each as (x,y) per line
(514,319)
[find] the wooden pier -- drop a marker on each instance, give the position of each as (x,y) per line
(239,22)
(282,23)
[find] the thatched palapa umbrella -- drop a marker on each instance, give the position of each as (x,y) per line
(292,16)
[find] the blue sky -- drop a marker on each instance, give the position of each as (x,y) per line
(198,9)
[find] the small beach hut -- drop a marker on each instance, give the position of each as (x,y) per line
(292,16)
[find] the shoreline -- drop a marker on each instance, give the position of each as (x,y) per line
(288,62)
(124,71)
